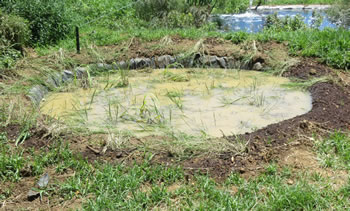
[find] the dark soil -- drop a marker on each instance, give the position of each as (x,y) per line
(307,69)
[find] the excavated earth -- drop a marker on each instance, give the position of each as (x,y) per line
(330,112)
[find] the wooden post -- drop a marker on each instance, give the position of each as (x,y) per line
(77,39)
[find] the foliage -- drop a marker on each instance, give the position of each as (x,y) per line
(284,24)
(290,2)
(335,150)
(173,13)
(49,20)
(11,163)
(150,9)
(201,2)
(14,33)
(237,37)
(331,45)
(229,6)
(340,13)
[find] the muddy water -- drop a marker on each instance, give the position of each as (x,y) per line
(191,101)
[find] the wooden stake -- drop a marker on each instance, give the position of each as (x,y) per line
(77,39)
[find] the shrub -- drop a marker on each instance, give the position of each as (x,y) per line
(14,33)
(150,9)
(173,13)
(237,37)
(284,24)
(340,13)
(50,20)
(230,6)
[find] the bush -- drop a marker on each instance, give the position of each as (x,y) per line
(173,13)
(14,33)
(50,20)
(284,24)
(230,6)
(340,13)
(150,9)
(237,37)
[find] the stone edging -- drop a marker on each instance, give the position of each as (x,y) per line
(38,92)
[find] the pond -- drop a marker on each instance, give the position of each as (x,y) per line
(209,102)
(253,21)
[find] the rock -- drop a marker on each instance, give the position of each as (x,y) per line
(313,72)
(67,76)
(153,63)
(32,195)
(164,61)
(209,61)
(80,72)
(57,78)
(257,66)
(132,64)
(122,65)
(50,82)
(104,66)
(231,63)
(142,63)
(221,61)
(37,93)
(43,181)
(183,60)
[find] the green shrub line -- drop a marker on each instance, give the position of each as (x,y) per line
(106,22)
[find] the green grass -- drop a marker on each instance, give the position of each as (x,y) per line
(156,187)
(330,46)
(108,186)
(334,151)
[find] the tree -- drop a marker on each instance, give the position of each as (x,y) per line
(340,13)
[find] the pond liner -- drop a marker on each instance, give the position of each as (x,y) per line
(53,81)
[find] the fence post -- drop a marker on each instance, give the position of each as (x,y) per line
(77,39)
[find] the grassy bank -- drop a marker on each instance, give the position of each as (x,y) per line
(148,186)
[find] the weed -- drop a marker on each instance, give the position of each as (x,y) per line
(335,150)
(174,77)
(175,97)
(11,163)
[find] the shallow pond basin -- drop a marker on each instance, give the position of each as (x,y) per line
(212,102)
